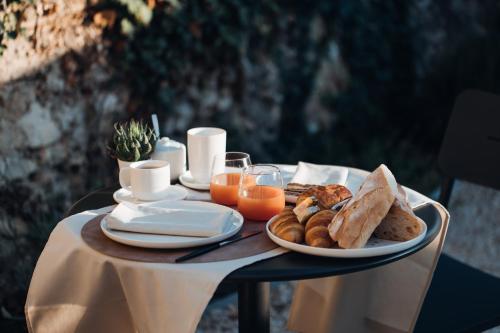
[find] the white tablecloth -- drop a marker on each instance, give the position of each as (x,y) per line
(76,289)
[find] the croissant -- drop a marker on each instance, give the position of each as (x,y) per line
(287,227)
(317,234)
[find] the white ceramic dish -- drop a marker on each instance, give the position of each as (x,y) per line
(374,247)
(187,180)
(175,242)
(172,193)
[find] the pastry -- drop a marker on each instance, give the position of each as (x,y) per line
(353,225)
(298,188)
(287,227)
(307,208)
(317,229)
(327,195)
(400,223)
(294,190)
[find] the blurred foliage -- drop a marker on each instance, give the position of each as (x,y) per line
(155,54)
(376,120)
(381,116)
(11,12)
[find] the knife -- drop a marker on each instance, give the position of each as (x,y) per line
(338,206)
(215,246)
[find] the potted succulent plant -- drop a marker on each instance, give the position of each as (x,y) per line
(132,141)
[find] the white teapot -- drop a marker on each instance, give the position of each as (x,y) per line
(174,153)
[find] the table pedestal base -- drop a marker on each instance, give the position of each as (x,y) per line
(253,307)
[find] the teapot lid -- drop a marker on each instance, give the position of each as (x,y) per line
(165,144)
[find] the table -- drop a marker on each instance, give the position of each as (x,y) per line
(254,280)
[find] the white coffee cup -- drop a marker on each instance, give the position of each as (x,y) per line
(148,180)
(203,144)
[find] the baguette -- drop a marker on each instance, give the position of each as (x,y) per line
(355,222)
(400,223)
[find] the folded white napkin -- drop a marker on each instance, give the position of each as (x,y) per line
(315,174)
(167,221)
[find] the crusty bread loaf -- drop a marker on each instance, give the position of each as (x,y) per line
(287,227)
(317,229)
(400,223)
(356,221)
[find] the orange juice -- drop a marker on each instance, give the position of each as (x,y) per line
(260,202)
(224,188)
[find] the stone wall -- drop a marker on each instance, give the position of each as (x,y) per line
(56,109)
(56,102)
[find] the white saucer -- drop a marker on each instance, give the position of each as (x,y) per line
(171,193)
(187,180)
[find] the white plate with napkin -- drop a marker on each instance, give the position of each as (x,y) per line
(171,224)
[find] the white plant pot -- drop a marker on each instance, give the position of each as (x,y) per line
(123,164)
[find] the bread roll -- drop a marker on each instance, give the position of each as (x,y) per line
(400,223)
(287,227)
(317,229)
(356,221)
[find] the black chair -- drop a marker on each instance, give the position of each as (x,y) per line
(462,298)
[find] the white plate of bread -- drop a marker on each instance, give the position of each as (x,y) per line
(377,220)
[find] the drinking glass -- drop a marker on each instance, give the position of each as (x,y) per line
(261,194)
(225,180)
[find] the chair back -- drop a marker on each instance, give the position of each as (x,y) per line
(470,149)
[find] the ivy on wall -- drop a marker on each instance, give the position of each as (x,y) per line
(156,45)
(157,42)
(156,53)
(157,58)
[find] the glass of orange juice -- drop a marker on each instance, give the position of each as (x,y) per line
(226,172)
(261,194)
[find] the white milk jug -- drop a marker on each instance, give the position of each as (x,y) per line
(174,153)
